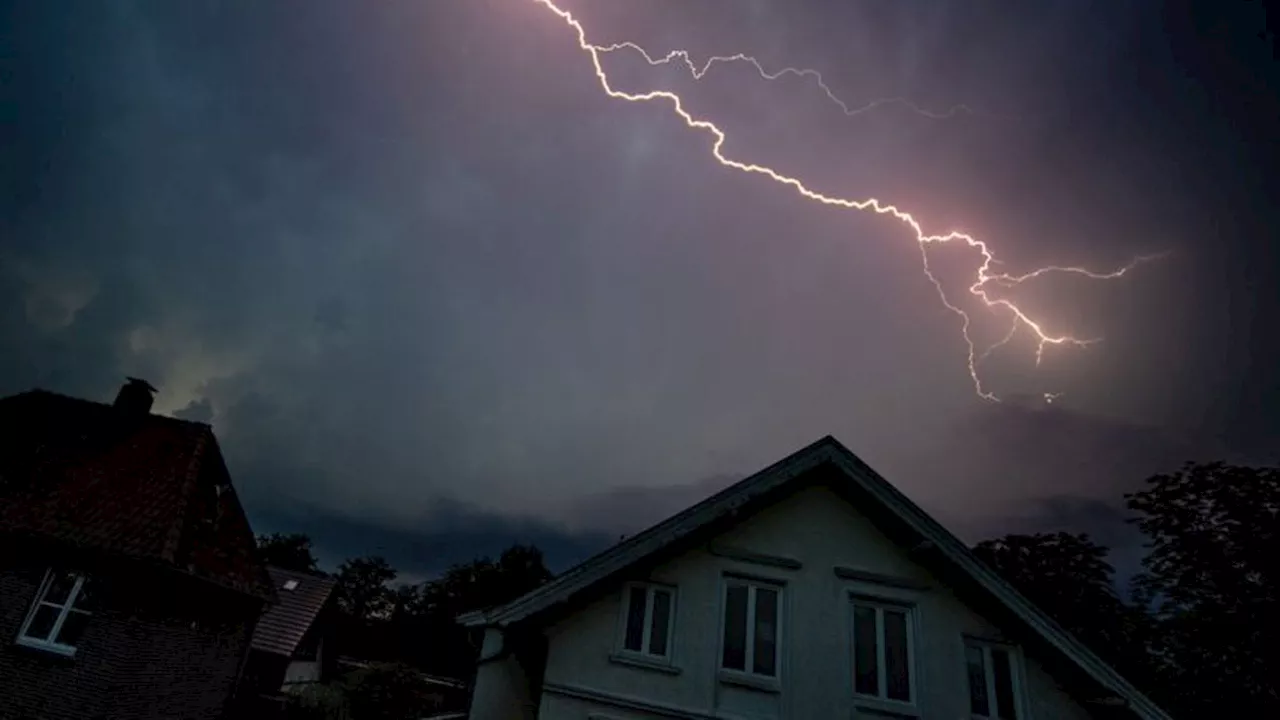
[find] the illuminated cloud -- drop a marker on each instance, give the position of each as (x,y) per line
(425,279)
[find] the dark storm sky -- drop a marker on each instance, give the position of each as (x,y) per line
(436,292)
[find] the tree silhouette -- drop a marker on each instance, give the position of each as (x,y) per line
(482,583)
(1068,577)
(405,601)
(291,552)
(362,587)
(390,691)
(1211,581)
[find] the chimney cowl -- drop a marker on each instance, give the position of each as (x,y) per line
(135,397)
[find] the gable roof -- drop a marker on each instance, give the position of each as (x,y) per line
(777,477)
(146,486)
(300,599)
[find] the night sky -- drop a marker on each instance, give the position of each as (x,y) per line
(436,292)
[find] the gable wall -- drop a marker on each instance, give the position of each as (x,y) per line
(823,531)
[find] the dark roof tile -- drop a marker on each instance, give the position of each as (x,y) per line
(285,623)
(85,474)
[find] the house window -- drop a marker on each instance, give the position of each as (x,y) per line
(649,614)
(883,651)
(60,613)
(751,633)
(993,681)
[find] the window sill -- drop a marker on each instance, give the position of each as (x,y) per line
(752,682)
(885,708)
(45,648)
(644,663)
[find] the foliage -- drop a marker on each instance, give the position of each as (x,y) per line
(390,691)
(416,624)
(1202,635)
(1068,577)
(362,587)
(291,552)
(1211,583)
(485,583)
(431,609)
(319,702)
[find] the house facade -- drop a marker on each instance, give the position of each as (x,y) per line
(129,585)
(810,590)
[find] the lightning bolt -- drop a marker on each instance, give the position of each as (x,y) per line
(698,73)
(1006,279)
(984,276)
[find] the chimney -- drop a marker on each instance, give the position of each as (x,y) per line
(135,397)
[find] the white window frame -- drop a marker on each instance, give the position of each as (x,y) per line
(989,676)
(650,588)
(882,681)
(50,644)
(752,585)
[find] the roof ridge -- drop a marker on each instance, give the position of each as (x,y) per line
(801,458)
(98,404)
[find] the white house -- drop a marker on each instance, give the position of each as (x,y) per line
(812,589)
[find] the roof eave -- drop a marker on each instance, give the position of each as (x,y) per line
(958,553)
(474,619)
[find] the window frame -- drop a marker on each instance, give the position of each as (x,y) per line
(646,636)
(1016,677)
(50,643)
(748,674)
(880,605)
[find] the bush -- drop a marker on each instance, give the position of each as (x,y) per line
(318,702)
(390,692)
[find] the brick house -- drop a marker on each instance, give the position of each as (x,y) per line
(129,584)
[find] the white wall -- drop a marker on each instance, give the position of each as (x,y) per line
(501,690)
(822,531)
(304,671)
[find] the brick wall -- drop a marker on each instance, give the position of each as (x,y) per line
(160,646)
(177,669)
(34,684)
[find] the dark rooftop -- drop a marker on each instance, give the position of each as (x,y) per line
(130,484)
(300,598)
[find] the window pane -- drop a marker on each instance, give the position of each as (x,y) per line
(765,656)
(72,628)
(59,587)
(897,663)
(661,621)
(735,628)
(978,703)
(84,599)
(865,667)
(1003,677)
(42,624)
(635,619)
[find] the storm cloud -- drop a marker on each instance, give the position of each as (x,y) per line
(436,293)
